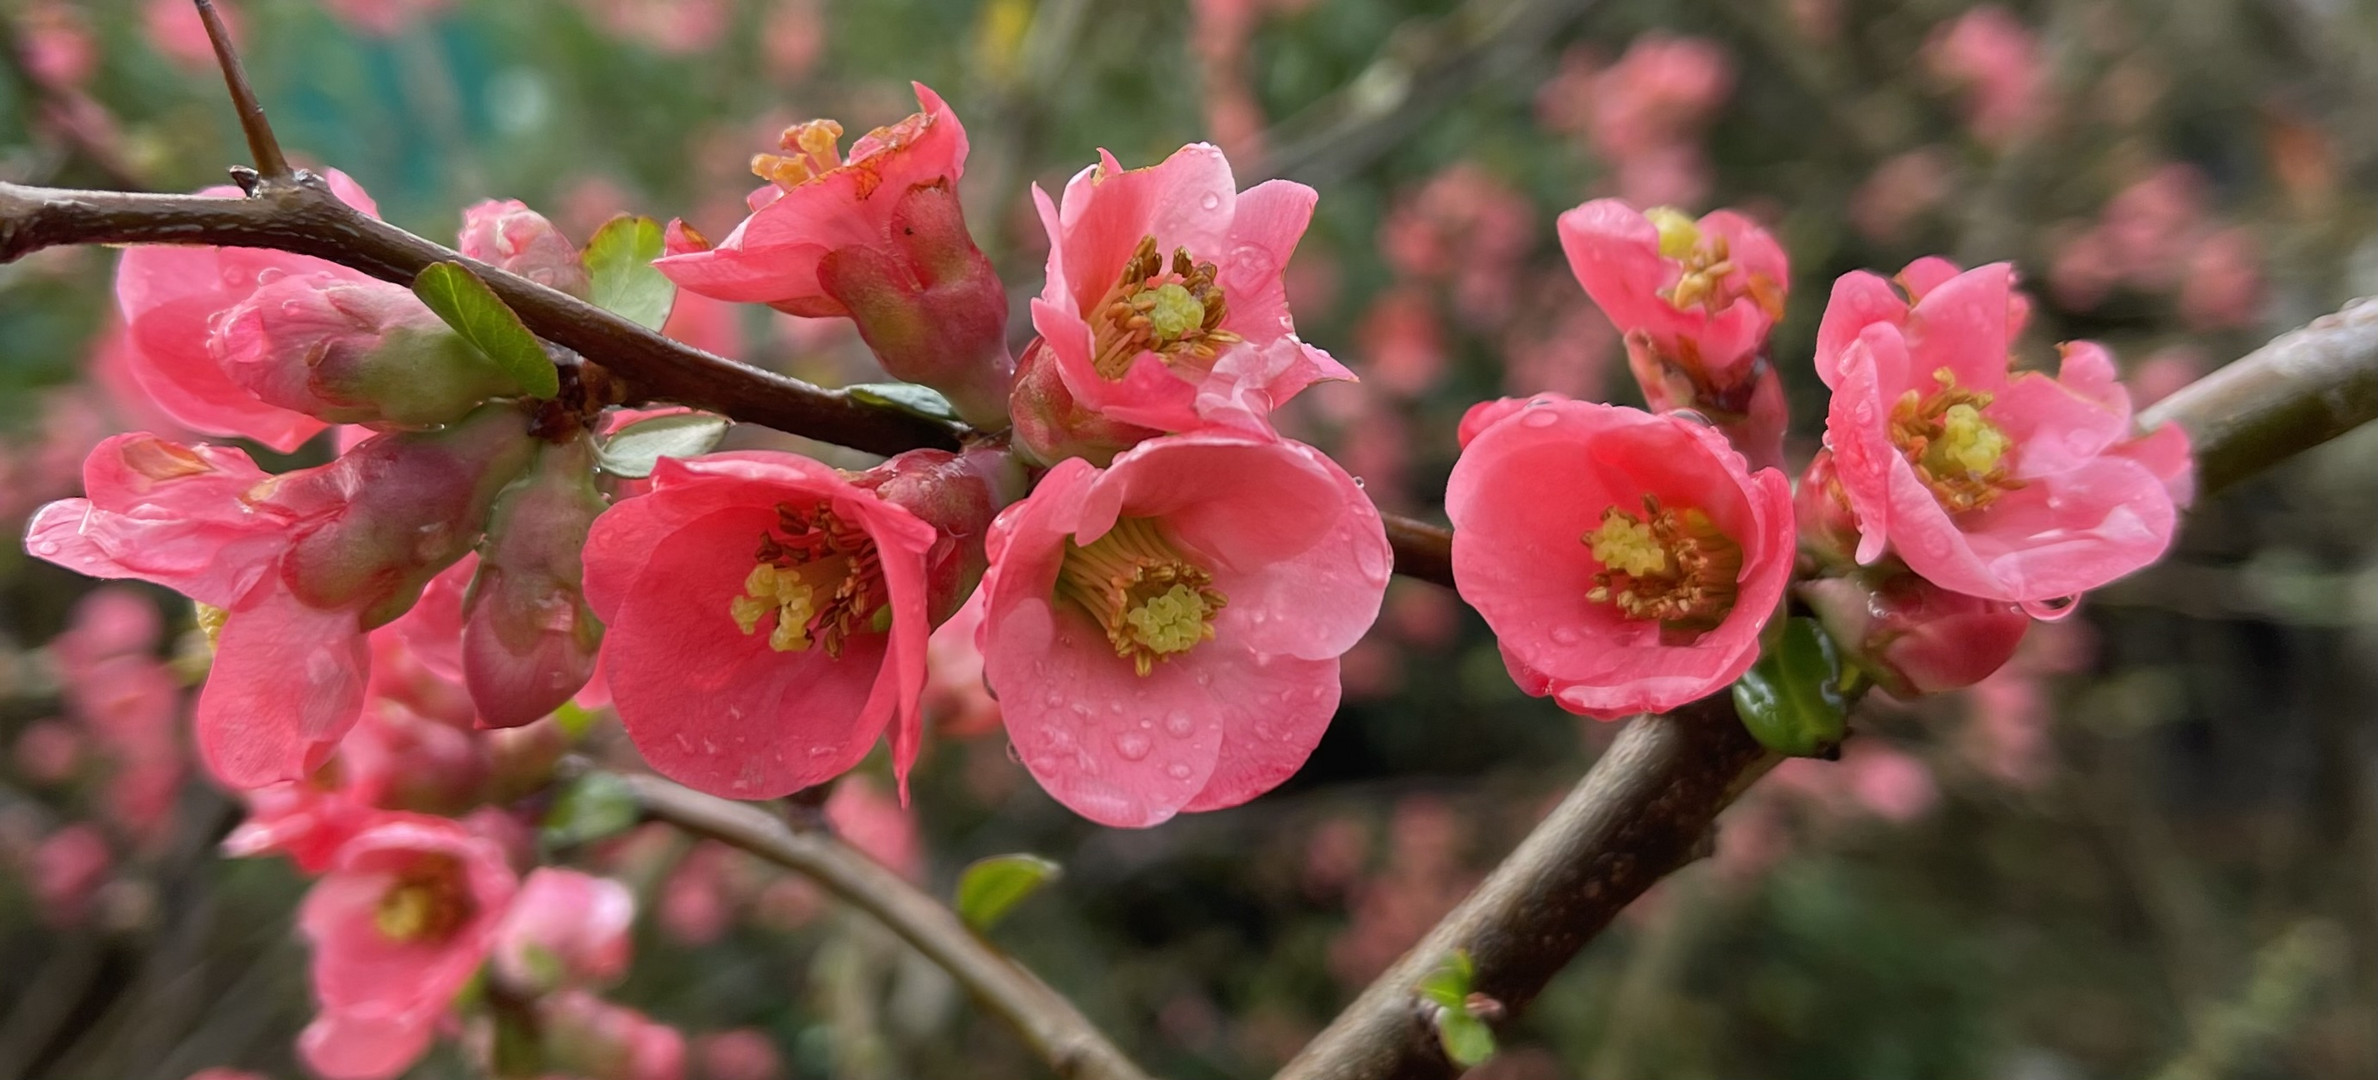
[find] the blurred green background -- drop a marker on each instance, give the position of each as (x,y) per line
(2144,850)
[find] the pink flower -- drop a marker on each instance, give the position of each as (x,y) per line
(170,296)
(738,1054)
(67,871)
(592,1038)
(381,18)
(879,238)
(1627,561)
(1997,484)
(299,565)
(767,619)
(1156,274)
(564,927)
(399,924)
(1996,59)
(174,29)
(506,234)
(1912,636)
(1163,635)
(874,822)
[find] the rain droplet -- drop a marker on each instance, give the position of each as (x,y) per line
(270,274)
(1179,725)
(46,547)
(1540,418)
(1133,746)
(820,751)
(1209,202)
(1054,698)
(1177,771)
(1564,635)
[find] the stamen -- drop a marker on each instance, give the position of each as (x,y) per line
(814,149)
(1956,451)
(426,902)
(1708,279)
(1176,314)
(1672,566)
(1152,602)
(791,567)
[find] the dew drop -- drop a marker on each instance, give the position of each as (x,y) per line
(46,547)
(1540,418)
(1179,725)
(1564,635)
(1133,746)
(269,274)
(820,751)
(1054,699)
(1209,202)
(1177,771)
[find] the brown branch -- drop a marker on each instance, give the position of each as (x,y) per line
(266,149)
(1647,807)
(1049,1023)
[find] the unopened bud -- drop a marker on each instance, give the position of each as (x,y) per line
(528,638)
(957,494)
(1828,528)
(1911,636)
(1051,426)
(507,235)
(930,305)
(352,352)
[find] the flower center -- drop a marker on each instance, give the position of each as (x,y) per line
(1151,600)
(821,579)
(426,903)
(1175,313)
(1709,279)
(1672,566)
(1964,458)
(812,149)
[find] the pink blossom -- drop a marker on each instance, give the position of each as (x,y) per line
(399,924)
(588,1037)
(754,675)
(1164,634)
(175,31)
(2000,485)
(1900,191)
(1912,636)
(1157,275)
(1051,425)
(792,36)
(529,640)
(675,27)
(170,295)
(58,49)
(506,234)
(2223,289)
(382,18)
(738,1054)
(1627,561)
(48,751)
(696,903)
(874,822)
(564,927)
(1995,58)
(68,869)
(1405,344)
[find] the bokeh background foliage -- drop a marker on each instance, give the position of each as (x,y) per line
(2145,850)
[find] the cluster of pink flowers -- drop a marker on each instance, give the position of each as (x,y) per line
(1644,114)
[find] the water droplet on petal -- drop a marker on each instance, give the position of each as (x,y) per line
(1209,202)
(820,751)
(1133,745)
(46,547)
(1179,725)
(1177,771)
(1564,635)
(1540,418)
(270,274)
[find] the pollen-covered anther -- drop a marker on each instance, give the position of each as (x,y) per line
(813,149)
(1175,313)
(1707,264)
(1149,598)
(1672,566)
(424,903)
(1964,458)
(795,563)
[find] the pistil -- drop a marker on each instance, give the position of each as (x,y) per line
(1149,598)
(1673,566)
(810,551)
(1176,314)
(1966,460)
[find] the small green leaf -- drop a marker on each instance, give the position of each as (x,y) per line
(907,397)
(992,886)
(620,275)
(1792,699)
(591,808)
(1467,1040)
(476,313)
(633,449)
(1449,984)
(574,719)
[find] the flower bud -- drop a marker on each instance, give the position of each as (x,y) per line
(930,304)
(957,494)
(352,352)
(507,235)
(564,928)
(1051,426)
(528,639)
(1828,529)
(404,506)
(1914,637)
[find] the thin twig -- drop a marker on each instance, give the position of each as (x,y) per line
(1049,1023)
(261,144)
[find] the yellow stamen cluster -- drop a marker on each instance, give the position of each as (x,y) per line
(427,902)
(1965,459)
(809,548)
(1673,566)
(812,149)
(1176,314)
(1707,262)
(1152,602)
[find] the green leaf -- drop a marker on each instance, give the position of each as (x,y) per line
(1792,700)
(907,397)
(620,275)
(476,313)
(992,886)
(1468,1042)
(1449,984)
(633,449)
(591,808)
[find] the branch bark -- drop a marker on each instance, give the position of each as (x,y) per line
(1648,806)
(1048,1023)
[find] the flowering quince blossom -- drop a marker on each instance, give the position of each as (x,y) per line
(402,920)
(564,927)
(1627,561)
(877,237)
(296,567)
(1695,301)
(1155,274)
(767,619)
(1163,635)
(1997,484)
(1912,636)
(171,295)
(506,234)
